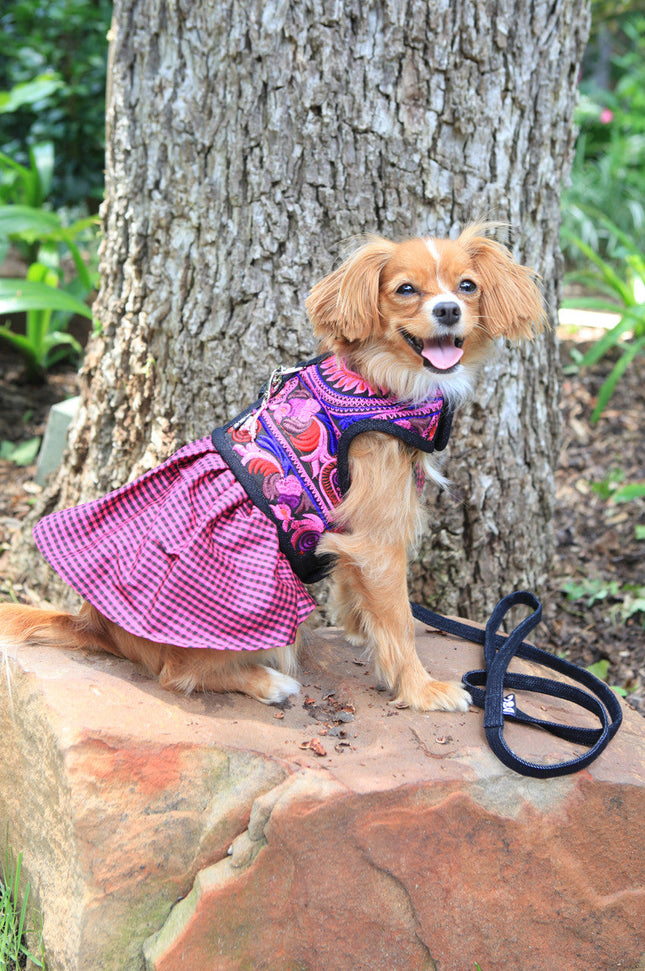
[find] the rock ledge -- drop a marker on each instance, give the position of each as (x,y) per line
(160,832)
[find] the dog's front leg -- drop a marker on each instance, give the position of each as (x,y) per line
(373,579)
(378,518)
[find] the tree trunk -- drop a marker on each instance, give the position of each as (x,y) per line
(246,141)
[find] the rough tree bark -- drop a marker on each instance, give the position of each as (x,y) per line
(247,141)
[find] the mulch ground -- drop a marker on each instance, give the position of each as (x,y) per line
(597,548)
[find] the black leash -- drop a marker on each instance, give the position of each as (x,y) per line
(487,687)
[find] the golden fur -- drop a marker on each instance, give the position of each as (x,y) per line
(392,310)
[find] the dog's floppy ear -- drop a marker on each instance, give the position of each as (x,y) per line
(345,304)
(510,302)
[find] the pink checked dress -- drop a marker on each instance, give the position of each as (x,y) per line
(181,556)
(212,548)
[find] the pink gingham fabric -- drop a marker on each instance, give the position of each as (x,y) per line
(181,556)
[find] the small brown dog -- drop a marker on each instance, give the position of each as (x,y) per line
(403,328)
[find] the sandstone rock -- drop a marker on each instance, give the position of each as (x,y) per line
(361,836)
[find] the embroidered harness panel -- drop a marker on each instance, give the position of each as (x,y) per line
(290,450)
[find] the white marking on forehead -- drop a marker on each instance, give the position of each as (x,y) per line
(432,246)
(434,253)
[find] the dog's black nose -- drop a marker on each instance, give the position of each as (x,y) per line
(447,313)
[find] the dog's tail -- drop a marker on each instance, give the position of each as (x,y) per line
(87,630)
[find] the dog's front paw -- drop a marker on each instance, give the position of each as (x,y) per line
(430,695)
(356,638)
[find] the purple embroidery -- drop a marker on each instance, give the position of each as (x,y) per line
(290,446)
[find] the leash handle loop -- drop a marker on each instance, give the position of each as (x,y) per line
(487,687)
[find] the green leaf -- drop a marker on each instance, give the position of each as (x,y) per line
(635,490)
(616,232)
(591,590)
(20,342)
(41,158)
(10,163)
(28,221)
(610,339)
(57,337)
(19,296)
(600,669)
(88,222)
(633,605)
(591,303)
(29,93)
(82,271)
(42,273)
(609,483)
(22,453)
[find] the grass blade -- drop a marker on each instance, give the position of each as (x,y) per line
(612,337)
(617,372)
(607,273)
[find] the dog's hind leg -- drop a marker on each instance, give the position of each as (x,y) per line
(186,669)
(178,668)
(189,669)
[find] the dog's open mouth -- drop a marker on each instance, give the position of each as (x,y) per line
(440,353)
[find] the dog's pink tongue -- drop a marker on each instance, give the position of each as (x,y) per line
(442,355)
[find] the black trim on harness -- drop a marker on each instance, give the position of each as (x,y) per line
(439,440)
(487,687)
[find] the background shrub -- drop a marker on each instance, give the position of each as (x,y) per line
(65,40)
(608,174)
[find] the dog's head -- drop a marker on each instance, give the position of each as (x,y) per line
(421,314)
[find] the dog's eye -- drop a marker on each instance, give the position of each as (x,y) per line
(467,286)
(406,289)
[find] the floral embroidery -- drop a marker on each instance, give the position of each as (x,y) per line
(290,441)
(339,375)
(289,448)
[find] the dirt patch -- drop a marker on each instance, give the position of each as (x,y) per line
(597,549)
(23,414)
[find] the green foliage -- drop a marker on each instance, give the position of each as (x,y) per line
(609,484)
(603,211)
(52,88)
(627,601)
(590,590)
(601,670)
(610,487)
(46,297)
(27,185)
(29,93)
(608,173)
(48,310)
(39,231)
(625,292)
(13,920)
(53,73)
(20,453)
(635,490)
